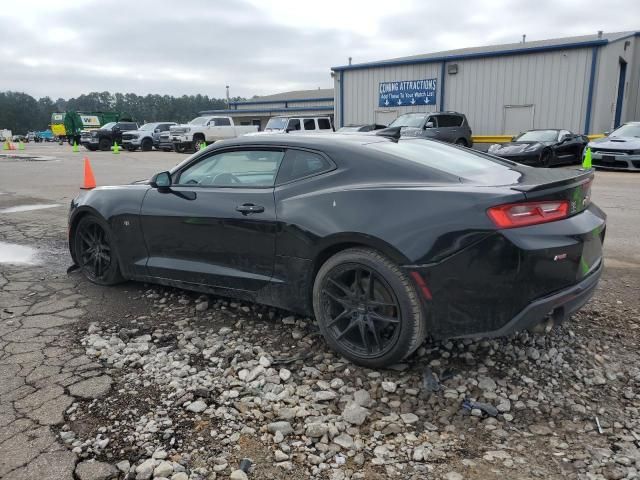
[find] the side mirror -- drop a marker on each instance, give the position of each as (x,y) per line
(161,181)
(607,133)
(428,125)
(157,130)
(513,139)
(564,138)
(211,123)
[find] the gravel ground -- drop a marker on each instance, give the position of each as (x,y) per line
(201,383)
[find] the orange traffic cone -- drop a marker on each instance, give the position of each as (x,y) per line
(11,146)
(89,179)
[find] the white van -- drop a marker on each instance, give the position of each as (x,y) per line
(297,124)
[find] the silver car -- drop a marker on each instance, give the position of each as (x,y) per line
(620,150)
(451,127)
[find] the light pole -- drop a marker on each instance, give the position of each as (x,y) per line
(228,104)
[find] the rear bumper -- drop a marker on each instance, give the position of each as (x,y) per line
(559,306)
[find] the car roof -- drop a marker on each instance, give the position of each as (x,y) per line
(300,116)
(309,140)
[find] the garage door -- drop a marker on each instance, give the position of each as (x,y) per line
(517,118)
(385,117)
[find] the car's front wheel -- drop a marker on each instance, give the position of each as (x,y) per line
(545,158)
(147,145)
(367,308)
(94,251)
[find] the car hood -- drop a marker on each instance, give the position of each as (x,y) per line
(511,148)
(617,143)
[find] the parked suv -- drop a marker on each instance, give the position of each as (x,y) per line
(451,127)
(297,124)
(104,137)
(146,137)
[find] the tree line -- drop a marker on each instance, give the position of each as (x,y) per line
(20,112)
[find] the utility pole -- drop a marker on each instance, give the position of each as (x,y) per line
(228,103)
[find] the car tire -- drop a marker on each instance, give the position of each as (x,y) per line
(197,142)
(132,149)
(95,252)
(384,320)
(180,149)
(462,142)
(545,158)
(146,145)
(104,144)
(91,149)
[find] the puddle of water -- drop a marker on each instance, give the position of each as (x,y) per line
(26,208)
(17,254)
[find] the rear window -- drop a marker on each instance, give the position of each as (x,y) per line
(309,124)
(454,161)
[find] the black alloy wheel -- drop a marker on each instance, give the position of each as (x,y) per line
(545,158)
(367,309)
(94,252)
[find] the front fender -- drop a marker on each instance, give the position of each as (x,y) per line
(120,208)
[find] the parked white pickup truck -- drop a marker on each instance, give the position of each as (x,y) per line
(206,130)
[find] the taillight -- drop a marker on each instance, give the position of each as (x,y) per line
(529,213)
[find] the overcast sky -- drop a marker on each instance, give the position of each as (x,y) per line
(62,48)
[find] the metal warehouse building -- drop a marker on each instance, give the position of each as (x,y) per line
(259,110)
(586,84)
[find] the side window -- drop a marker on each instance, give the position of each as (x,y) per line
(309,124)
(222,122)
(294,124)
(324,124)
(237,168)
(300,163)
(449,120)
(562,133)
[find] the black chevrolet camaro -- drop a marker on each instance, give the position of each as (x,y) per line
(383,240)
(543,148)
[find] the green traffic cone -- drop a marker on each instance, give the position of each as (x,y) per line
(586,161)
(115,148)
(75,147)
(20,145)
(5,146)
(203,145)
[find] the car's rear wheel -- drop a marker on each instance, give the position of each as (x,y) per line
(147,145)
(180,148)
(367,308)
(94,251)
(462,142)
(198,143)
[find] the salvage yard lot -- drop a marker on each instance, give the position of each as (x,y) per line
(188,386)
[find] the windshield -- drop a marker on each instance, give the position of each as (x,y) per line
(538,136)
(276,123)
(199,121)
(149,126)
(409,120)
(629,130)
(108,125)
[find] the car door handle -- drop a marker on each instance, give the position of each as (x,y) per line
(247,208)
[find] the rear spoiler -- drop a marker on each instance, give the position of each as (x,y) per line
(582,177)
(390,132)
